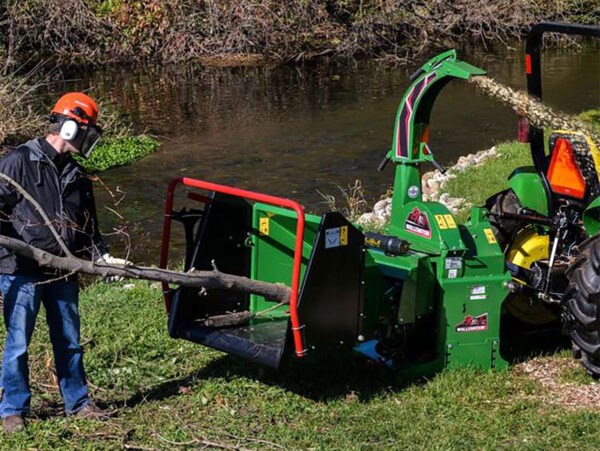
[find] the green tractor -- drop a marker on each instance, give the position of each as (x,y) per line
(547,224)
(424,295)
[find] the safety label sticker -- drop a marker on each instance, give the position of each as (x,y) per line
(417,222)
(473,324)
(453,262)
(478,292)
(445,221)
(441,222)
(263,226)
(450,221)
(489,234)
(336,237)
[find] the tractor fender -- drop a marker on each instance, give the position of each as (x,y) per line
(591,217)
(529,189)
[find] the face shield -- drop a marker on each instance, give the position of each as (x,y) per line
(87,135)
(90,135)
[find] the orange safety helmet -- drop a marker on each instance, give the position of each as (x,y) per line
(77,115)
(73,103)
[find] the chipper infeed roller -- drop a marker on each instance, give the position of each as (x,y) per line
(421,295)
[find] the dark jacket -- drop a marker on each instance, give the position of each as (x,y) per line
(64,193)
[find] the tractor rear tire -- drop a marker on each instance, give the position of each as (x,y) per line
(582,314)
(504,229)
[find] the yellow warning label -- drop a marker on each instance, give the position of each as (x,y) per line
(372,242)
(263,226)
(450,221)
(489,234)
(343,235)
(441,221)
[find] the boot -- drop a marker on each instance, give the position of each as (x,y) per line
(13,423)
(92,411)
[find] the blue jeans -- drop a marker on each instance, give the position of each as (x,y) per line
(22,296)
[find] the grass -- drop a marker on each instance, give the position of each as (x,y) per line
(477,183)
(167,391)
(592,116)
(353,202)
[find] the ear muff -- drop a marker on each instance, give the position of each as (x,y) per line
(68,130)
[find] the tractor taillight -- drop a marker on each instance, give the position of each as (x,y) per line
(523,130)
(528,64)
(564,175)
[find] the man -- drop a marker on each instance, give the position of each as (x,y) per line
(45,168)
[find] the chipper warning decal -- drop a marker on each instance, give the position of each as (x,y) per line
(473,324)
(417,222)
(336,237)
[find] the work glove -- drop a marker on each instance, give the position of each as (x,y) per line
(110,260)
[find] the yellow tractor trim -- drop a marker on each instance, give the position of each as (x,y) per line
(595,154)
(528,248)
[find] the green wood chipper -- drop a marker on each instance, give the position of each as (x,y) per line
(423,295)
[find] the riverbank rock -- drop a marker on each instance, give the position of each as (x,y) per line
(432,186)
(379,216)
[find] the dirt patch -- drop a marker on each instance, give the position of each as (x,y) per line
(553,373)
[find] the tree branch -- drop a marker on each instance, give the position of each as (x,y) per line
(207,279)
(40,210)
(214,279)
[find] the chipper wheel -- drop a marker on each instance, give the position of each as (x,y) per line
(523,247)
(582,320)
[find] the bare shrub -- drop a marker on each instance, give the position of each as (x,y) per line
(179,30)
(354,201)
(19,118)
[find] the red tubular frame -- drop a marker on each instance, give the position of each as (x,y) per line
(264,198)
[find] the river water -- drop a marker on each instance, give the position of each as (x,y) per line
(296,130)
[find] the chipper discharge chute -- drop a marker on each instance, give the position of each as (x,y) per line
(423,294)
